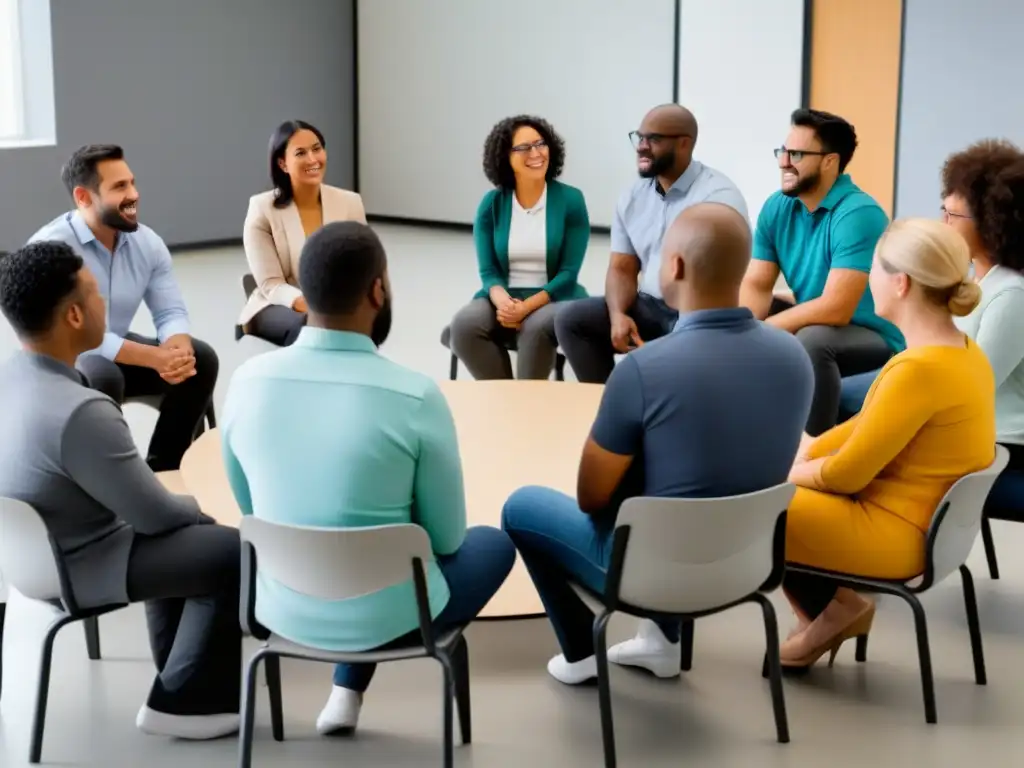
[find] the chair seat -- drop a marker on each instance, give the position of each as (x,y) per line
(254,345)
(291,649)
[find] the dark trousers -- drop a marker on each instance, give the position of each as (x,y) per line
(812,593)
(474,574)
(584,331)
(835,352)
(189,580)
(181,408)
(558,543)
(278,325)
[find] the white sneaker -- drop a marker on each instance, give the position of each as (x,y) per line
(575,673)
(649,650)
(191,727)
(340,713)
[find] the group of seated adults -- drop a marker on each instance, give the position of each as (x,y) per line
(717,407)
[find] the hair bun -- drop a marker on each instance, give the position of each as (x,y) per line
(965,298)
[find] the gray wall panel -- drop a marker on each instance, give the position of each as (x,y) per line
(192,89)
(961,82)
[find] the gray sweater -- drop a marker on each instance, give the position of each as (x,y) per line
(66,450)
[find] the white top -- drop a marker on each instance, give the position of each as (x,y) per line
(528,244)
(997,326)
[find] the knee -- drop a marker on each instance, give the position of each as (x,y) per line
(470,322)
(207,362)
(501,552)
(522,508)
(103,375)
(570,318)
(817,341)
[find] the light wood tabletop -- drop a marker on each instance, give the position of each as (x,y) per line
(511,434)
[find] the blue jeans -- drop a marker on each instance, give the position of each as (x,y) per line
(854,391)
(474,574)
(558,543)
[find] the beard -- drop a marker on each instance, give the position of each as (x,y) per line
(660,164)
(112,218)
(804,184)
(382,324)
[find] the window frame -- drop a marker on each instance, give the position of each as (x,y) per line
(10,23)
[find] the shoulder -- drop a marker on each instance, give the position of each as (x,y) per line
(635,191)
(859,210)
(261,204)
(1004,282)
(59,229)
(490,199)
(715,178)
(783,345)
(342,195)
(776,206)
(567,192)
(149,241)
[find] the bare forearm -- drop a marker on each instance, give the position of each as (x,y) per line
(535,302)
(814,312)
(620,290)
(498,296)
(756,299)
(133,353)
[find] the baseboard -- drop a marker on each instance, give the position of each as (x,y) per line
(451,226)
(200,245)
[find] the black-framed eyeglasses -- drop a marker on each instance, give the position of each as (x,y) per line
(796,155)
(637,138)
(948,214)
(540,146)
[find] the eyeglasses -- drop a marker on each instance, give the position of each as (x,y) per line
(796,155)
(948,214)
(637,138)
(540,146)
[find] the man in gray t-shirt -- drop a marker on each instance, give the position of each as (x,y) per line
(715,408)
(633,309)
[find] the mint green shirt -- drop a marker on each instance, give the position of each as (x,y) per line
(997,325)
(329,433)
(841,233)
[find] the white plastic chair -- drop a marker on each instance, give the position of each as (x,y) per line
(338,564)
(686,558)
(951,536)
(32,565)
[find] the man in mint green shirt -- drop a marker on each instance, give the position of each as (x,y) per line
(819,231)
(329,433)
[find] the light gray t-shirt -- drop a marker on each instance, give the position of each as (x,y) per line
(645,211)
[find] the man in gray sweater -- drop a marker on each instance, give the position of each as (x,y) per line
(66,450)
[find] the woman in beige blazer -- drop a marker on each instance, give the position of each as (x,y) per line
(278,223)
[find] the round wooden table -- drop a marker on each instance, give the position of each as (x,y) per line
(511,434)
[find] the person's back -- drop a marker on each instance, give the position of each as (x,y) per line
(342,444)
(724,400)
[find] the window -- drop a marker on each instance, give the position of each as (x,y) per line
(12,102)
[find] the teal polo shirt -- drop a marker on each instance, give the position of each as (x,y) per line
(329,433)
(840,234)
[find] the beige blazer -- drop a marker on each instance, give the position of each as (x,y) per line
(273,240)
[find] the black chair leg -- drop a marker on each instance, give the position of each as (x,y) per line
(211,417)
(273,672)
(460,665)
(604,690)
(35,750)
(3,615)
(449,726)
(862,648)
(92,637)
(686,645)
(924,654)
(453,368)
(973,625)
(990,547)
(559,367)
(248,711)
(771,633)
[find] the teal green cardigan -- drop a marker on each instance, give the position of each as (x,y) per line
(568,232)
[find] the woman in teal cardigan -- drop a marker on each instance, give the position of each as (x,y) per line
(531,233)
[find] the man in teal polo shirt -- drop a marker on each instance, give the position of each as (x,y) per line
(820,232)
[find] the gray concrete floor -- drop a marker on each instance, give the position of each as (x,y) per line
(719,714)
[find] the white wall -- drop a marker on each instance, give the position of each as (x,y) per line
(435,75)
(740,73)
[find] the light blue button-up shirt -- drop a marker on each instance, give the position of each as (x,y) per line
(138,270)
(644,214)
(329,433)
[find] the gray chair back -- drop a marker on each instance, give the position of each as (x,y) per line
(26,553)
(694,555)
(957,522)
(336,563)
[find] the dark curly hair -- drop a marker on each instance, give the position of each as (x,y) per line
(989,175)
(34,282)
(497,167)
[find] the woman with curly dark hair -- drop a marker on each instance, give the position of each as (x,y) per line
(983,200)
(531,233)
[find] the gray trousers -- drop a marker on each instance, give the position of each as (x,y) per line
(481,343)
(835,352)
(189,580)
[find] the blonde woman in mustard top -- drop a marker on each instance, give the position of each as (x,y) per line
(868,488)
